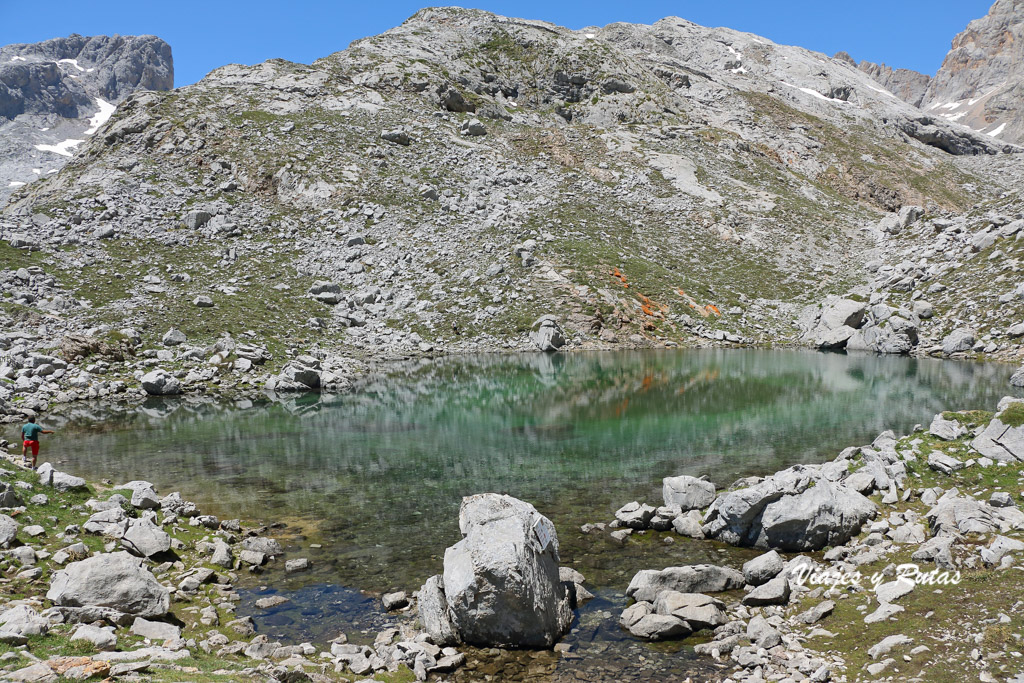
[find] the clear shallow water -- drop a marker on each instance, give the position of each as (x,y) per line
(377,476)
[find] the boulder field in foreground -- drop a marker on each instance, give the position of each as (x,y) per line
(500,585)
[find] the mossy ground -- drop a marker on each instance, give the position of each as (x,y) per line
(951,620)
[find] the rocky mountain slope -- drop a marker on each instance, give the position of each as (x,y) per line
(981,81)
(450,182)
(56,93)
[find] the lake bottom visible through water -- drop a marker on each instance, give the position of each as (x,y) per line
(375,477)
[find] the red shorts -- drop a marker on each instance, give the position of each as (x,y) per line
(34,445)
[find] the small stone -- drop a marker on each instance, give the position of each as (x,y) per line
(395,601)
(297,565)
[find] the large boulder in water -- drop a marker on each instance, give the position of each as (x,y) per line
(501,582)
(792,510)
(116,580)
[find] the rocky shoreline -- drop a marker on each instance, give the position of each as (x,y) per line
(116,582)
(889,533)
(833,596)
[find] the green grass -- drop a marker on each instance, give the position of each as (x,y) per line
(1013,416)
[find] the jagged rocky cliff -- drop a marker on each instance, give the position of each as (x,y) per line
(467,181)
(56,93)
(981,81)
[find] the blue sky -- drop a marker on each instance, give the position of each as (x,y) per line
(914,34)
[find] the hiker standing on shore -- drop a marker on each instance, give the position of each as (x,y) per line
(30,439)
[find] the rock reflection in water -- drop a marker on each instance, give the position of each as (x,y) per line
(376,476)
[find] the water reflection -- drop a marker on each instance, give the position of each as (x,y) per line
(377,475)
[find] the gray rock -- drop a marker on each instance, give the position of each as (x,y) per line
(954,516)
(634,613)
(775,592)
(762,634)
(35,673)
(145,499)
(145,539)
(61,481)
(1000,499)
(959,340)
(635,516)
(155,630)
(501,580)
(197,218)
(886,645)
(734,517)
(843,313)
(862,482)
(473,127)
(937,550)
(825,514)
(252,557)
(262,544)
(222,556)
(647,584)
(299,564)
(394,601)
(434,615)
(947,430)
(892,591)
(836,338)
(8,530)
(102,639)
(547,335)
(762,568)
(884,612)
(685,525)
(697,610)
(114,580)
(22,620)
(100,522)
(160,383)
(9,498)
(660,627)
(397,136)
(1000,441)
(173,337)
(940,462)
(817,613)
(908,533)
(688,493)
(999,548)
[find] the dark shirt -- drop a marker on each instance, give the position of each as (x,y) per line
(31,431)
